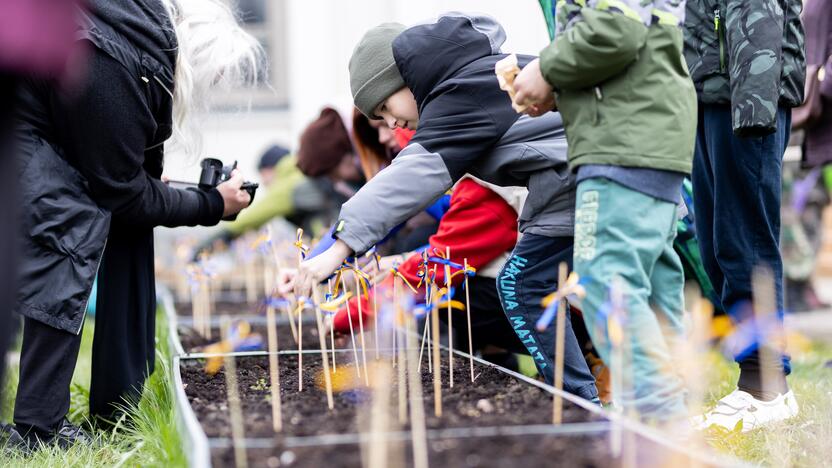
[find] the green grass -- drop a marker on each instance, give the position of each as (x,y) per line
(150,439)
(805,440)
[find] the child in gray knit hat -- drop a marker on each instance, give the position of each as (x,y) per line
(438,78)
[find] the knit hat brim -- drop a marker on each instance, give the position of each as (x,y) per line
(378,88)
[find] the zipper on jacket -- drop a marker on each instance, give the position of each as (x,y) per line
(718,30)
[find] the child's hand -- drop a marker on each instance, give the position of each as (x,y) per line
(315,270)
(286,281)
(533,90)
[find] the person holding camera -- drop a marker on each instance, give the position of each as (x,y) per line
(91,166)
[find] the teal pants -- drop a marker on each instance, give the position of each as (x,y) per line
(623,233)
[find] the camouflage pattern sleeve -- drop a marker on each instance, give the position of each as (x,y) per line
(794,55)
(754,38)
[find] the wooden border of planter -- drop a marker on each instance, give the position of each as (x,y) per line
(194,441)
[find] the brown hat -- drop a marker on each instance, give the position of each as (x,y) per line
(323,144)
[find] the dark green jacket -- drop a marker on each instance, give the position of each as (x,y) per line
(622,84)
(749,54)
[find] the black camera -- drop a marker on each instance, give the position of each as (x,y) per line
(214,173)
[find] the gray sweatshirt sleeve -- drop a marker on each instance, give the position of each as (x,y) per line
(414,180)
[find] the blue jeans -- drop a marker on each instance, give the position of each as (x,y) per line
(737,185)
(527,277)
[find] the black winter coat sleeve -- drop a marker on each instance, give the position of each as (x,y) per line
(105,128)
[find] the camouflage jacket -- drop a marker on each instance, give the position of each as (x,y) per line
(749,54)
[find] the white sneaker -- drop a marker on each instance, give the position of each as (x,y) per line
(740,410)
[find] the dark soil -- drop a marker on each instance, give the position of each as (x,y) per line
(192,342)
(511,401)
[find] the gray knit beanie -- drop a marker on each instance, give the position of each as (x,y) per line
(374,75)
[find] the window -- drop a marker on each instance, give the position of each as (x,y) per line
(266,21)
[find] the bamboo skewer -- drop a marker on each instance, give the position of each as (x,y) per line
(468,313)
(401,369)
(234,408)
(250,281)
(437,376)
(300,315)
(450,320)
(768,335)
(331,329)
(322,339)
(379,417)
(290,315)
(274,370)
(300,346)
(614,335)
(560,332)
(361,323)
(352,332)
(417,405)
(375,305)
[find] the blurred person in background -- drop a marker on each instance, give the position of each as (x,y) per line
(328,149)
(744,121)
(288,194)
(817,149)
(36,39)
(91,162)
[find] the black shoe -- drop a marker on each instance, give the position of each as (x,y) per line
(64,436)
(12,442)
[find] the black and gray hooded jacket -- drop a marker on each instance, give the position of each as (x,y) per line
(94,156)
(466,125)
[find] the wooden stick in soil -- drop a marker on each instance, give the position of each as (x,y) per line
(401,366)
(331,327)
(437,376)
(234,407)
(417,405)
(322,339)
(450,320)
(560,333)
(300,346)
(379,416)
(399,357)
(251,280)
(426,333)
(288,309)
(468,313)
(361,322)
(616,363)
(300,317)
(769,335)
(274,370)
(276,273)
(352,332)
(375,307)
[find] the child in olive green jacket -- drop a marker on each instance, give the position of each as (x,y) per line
(620,82)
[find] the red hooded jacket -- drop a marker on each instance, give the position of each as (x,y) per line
(479,226)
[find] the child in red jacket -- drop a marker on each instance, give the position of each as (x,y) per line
(480,226)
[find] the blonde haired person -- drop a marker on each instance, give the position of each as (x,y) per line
(91,163)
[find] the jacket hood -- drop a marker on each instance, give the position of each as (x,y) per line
(428,54)
(145,23)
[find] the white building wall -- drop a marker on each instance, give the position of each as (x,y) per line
(321,35)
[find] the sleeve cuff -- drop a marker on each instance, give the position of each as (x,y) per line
(216,207)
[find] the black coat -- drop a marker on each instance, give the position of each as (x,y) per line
(92,159)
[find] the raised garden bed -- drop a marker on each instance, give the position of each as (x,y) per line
(499,420)
(512,428)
